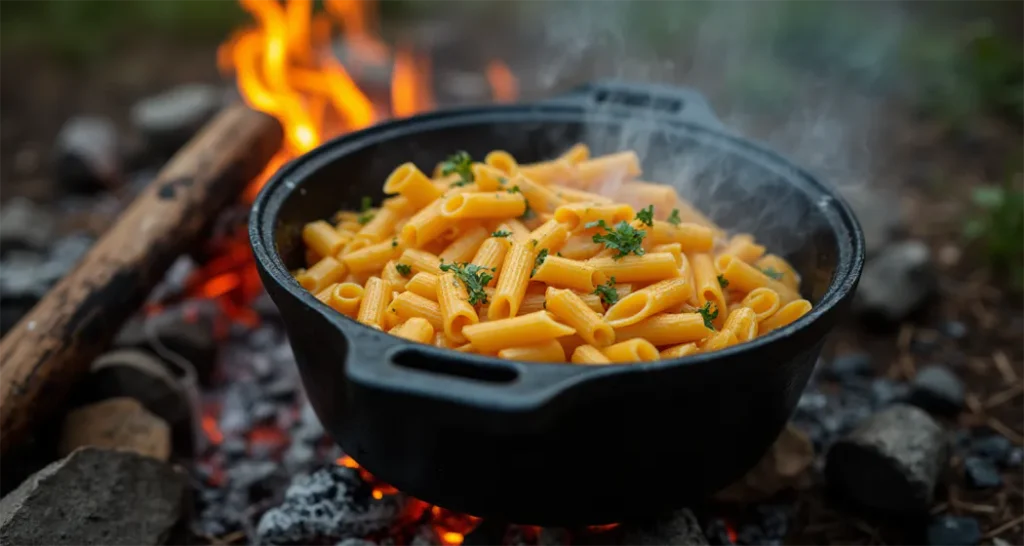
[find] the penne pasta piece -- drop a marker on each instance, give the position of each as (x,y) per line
(577,153)
(391,274)
(484,205)
(688,213)
(605,169)
(537,302)
(415,329)
(312,257)
(502,161)
(573,195)
(488,178)
(420,261)
(570,343)
(424,226)
(763,301)
(679,351)
(348,226)
(323,274)
(691,237)
(667,329)
(353,245)
(588,354)
(456,312)
(580,247)
(708,287)
(747,278)
(376,297)
(577,216)
(441,341)
(644,194)
(566,273)
(344,216)
(743,247)
(322,238)
(491,254)
(541,199)
(550,235)
(409,182)
(568,307)
(346,298)
(372,257)
(399,204)
(520,233)
(512,282)
(408,305)
(547,351)
(423,284)
(464,247)
(666,294)
(742,323)
(325,295)
(558,171)
(779,269)
(718,341)
(784,316)
(527,329)
(651,267)
(381,226)
(634,350)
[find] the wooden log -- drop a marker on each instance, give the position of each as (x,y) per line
(116,423)
(53,345)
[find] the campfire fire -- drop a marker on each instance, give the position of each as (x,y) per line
(285,65)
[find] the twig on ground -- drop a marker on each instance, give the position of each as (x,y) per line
(1004,367)
(1005,527)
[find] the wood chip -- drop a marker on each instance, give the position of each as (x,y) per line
(1004,367)
(117,423)
(1005,527)
(1003,397)
(1010,434)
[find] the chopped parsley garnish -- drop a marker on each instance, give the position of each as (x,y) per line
(772,272)
(394,243)
(514,189)
(674,218)
(646,215)
(501,233)
(541,256)
(364,207)
(708,315)
(502,181)
(461,164)
(624,238)
(528,213)
(722,281)
(474,277)
(403,269)
(607,292)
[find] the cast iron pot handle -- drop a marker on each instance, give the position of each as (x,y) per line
(655,101)
(380,362)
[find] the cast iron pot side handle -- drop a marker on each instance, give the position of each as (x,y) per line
(445,375)
(654,101)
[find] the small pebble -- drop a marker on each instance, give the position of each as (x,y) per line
(954,531)
(981,473)
(1016,458)
(885,391)
(954,329)
(993,447)
(849,365)
(938,390)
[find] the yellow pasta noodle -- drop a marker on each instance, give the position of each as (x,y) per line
(784,316)
(547,351)
(456,312)
(415,329)
(527,329)
(634,350)
(568,307)
(525,279)
(588,354)
(376,297)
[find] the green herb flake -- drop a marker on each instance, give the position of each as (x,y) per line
(403,269)
(394,243)
(514,189)
(459,163)
(646,215)
(501,233)
(772,272)
(607,292)
(674,218)
(623,237)
(723,282)
(474,277)
(708,315)
(541,256)
(366,208)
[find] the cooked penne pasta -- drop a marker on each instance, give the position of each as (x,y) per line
(634,350)
(376,297)
(547,351)
(588,354)
(568,307)
(495,257)
(526,329)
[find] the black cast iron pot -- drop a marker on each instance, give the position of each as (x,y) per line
(561,444)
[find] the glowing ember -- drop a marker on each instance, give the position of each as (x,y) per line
(211,429)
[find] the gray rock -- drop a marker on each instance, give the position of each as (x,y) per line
(678,528)
(23,225)
(169,119)
(982,473)
(938,390)
(954,531)
(21,277)
(891,462)
(895,283)
(87,154)
(95,496)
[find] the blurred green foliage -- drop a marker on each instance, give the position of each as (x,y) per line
(997,226)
